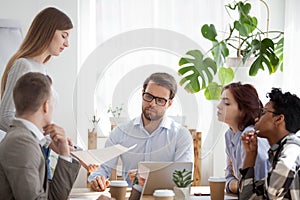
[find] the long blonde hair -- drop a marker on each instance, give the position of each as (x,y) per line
(38,37)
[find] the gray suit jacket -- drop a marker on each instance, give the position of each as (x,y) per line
(23,173)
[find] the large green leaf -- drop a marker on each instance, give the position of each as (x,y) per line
(266,57)
(209,32)
(213,91)
(219,50)
(226,75)
(198,71)
(246,24)
(279,52)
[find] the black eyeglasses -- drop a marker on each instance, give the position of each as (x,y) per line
(265,110)
(158,100)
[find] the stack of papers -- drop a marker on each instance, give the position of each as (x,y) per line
(100,156)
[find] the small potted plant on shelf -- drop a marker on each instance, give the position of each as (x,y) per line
(261,49)
(92,134)
(182,180)
(116,112)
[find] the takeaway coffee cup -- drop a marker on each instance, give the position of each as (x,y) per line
(118,189)
(217,187)
(163,195)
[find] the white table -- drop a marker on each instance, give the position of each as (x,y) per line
(86,194)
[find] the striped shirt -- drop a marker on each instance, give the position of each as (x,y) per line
(236,154)
(283,180)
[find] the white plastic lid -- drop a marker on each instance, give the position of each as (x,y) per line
(118,183)
(216,179)
(163,193)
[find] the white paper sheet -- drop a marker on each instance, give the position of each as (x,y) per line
(99,156)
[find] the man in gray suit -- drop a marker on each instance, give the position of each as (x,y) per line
(23,170)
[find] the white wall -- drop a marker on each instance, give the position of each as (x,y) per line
(63,69)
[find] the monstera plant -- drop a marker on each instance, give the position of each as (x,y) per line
(200,71)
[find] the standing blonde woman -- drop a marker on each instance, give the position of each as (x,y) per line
(47,36)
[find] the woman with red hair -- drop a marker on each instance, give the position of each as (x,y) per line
(239,107)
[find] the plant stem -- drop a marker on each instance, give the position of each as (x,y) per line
(268,15)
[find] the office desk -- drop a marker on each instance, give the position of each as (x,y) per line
(86,194)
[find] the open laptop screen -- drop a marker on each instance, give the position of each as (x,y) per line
(158,175)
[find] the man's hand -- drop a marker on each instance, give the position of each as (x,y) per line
(141,180)
(92,167)
(132,174)
(59,142)
(100,183)
(71,145)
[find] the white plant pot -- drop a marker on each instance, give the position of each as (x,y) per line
(117,120)
(236,62)
(182,193)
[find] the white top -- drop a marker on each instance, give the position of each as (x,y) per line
(20,67)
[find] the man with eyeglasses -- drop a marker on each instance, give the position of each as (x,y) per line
(158,137)
(278,123)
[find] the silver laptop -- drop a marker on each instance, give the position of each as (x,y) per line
(158,175)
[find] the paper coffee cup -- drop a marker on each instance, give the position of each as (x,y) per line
(118,189)
(217,187)
(163,195)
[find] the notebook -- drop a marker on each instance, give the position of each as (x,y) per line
(158,175)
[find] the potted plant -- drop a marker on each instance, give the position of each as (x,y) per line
(92,134)
(182,180)
(116,112)
(264,50)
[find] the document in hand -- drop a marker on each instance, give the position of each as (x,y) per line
(99,156)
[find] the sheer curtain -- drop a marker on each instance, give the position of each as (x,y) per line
(122,41)
(292,42)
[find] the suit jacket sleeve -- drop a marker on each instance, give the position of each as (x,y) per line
(26,171)
(25,166)
(64,176)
